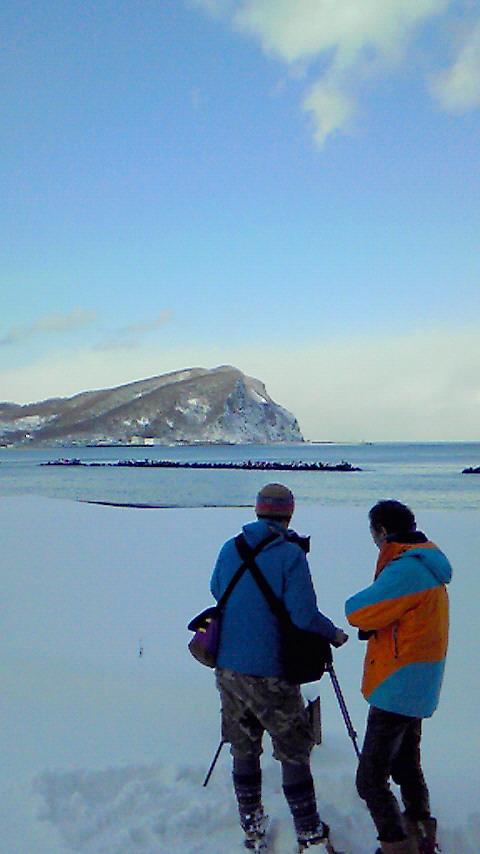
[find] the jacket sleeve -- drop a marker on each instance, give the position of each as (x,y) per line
(214,583)
(383,602)
(216,587)
(301,601)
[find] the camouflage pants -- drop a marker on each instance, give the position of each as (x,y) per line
(252,705)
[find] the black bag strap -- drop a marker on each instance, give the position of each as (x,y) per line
(248,555)
(243,566)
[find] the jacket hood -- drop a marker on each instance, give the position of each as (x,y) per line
(257,531)
(435,561)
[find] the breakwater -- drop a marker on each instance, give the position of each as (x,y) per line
(247,465)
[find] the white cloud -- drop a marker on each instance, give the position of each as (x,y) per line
(332,110)
(424,385)
(215,7)
(354,41)
(458,88)
(149,326)
(48,324)
(128,337)
(303,29)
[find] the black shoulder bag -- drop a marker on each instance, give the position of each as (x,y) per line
(204,644)
(306,654)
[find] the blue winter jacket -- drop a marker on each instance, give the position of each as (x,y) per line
(250,639)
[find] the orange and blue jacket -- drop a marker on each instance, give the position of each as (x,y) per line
(406,611)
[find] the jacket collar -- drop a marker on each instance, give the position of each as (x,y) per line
(389,550)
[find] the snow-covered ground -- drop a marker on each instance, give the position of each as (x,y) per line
(105,750)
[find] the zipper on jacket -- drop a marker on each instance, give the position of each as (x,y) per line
(395,641)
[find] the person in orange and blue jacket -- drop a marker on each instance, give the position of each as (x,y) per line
(404,617)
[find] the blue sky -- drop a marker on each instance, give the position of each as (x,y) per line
(288,186)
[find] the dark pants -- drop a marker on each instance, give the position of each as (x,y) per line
(392,749)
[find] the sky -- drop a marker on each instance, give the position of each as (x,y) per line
(287,186)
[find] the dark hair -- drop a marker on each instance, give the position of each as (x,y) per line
(394,516)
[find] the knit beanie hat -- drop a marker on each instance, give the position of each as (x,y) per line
(275,502)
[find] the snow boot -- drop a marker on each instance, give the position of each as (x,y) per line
(303,807)
(311,831)
(428,839)
(256,830)
(319,838)
(423,835)
(414,833)
(402,847)
(248,791)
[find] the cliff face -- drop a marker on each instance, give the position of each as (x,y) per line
(222,405)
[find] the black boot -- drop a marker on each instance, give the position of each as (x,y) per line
(428,842)
(248,791)
(303,806)
(314,838)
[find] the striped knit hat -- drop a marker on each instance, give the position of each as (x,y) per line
(275,501)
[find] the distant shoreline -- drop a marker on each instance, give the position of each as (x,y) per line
(142,506)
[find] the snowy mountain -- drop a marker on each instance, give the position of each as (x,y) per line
(221,405)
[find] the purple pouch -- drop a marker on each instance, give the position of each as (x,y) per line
(204,643)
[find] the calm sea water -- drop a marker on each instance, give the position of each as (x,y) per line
(425,475)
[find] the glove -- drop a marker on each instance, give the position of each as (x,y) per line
(363,635)
(340,638)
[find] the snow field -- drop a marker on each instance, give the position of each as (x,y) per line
(104,750)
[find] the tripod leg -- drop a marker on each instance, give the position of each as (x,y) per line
(343,708)
(214,762)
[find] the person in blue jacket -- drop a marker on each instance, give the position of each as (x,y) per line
(254,695)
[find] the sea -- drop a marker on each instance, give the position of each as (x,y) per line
(423,475)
